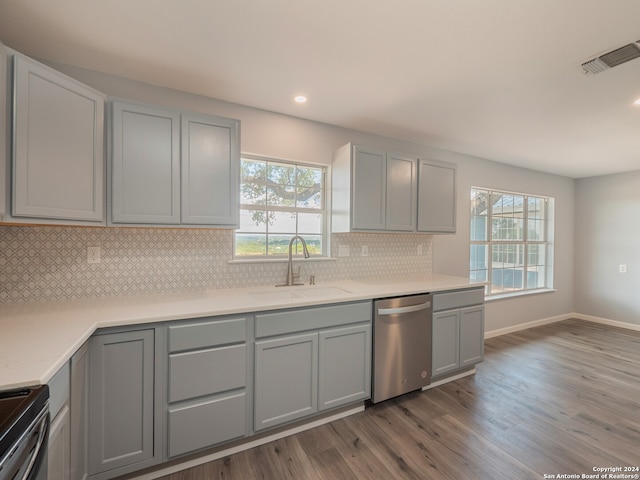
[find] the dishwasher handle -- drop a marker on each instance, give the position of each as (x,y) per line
(401,310)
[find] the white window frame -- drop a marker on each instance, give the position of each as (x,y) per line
(324,211)
(526,242)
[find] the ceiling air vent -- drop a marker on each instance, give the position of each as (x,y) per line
(612,59)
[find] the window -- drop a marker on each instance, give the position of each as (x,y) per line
(278,200)
(510,241)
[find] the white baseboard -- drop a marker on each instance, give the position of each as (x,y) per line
(246,446)
(437,383)
(527,325)
(558,318)
(606,321)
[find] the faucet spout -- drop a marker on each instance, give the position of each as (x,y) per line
(292,277)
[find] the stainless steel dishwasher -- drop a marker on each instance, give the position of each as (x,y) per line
(401,345)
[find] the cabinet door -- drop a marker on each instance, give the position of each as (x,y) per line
(58,453)
(446,335)
(79,399)
(286,379)
(368,195)
(145,165)
(121,401)
(436,197)
(471,335)
(4,132)
(345,366)
(210,161)
(58,164)
(401,193)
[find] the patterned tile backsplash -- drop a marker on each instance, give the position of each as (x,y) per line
(47,263)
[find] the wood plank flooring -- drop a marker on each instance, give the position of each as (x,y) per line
(558,399)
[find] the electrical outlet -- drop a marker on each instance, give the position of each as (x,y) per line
(93,254)
(365,251)
(622,269)
(420,249)
(343,250)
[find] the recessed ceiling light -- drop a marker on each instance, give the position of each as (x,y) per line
(300,99)
(637,102)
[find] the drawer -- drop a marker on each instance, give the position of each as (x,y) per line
(298,320)
(59,390)
(458,299)
(206,424)
(207,334)
(205,372)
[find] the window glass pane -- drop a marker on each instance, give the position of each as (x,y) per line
(283,222)
(496,203)
(251,245)
(536,230)
(536,277)
(309,177)
(253,171)
(281,174)
(281,196)
(278,245)
(253,220)
(314,244)
(309,198)
(309,223)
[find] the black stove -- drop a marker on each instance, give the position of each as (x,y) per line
(21,410)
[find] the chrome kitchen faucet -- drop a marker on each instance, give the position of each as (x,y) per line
(292,277)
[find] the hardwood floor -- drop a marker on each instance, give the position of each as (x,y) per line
(558,399)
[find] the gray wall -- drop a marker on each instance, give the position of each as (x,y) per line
(607,236)
(282,136)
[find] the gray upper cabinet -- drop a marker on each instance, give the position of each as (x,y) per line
(170,167)
(210,162)
(145,165)
(401,192)
(436,197)
(58,146)
(5,153)
(373,190)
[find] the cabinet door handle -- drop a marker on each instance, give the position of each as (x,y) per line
(400,310)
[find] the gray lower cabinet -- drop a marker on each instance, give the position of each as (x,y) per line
(79,414)
(58,453)
(206,388)
(121,415)
(59,445)
(58,150)
(309,360)
(458,333)
(67,448)
(344,366)
(286,379)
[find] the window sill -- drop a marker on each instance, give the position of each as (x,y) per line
(279,260)
(506,296)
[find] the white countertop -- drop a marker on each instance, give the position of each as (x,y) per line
(37,339)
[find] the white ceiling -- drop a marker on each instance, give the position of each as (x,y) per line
(499,79)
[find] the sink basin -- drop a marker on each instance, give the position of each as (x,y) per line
(296,293)
(312,291)
(275,295)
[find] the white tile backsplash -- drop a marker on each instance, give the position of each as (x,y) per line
(50,263)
